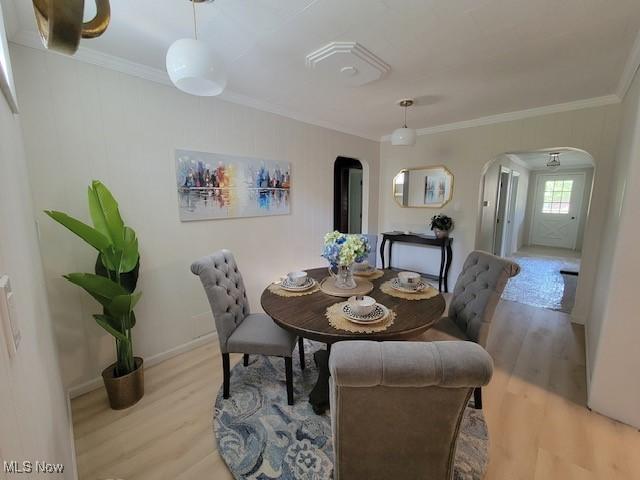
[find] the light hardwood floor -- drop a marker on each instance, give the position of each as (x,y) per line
(539,426)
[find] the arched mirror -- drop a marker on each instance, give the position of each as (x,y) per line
(430,187)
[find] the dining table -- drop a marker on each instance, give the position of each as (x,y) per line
(305,316)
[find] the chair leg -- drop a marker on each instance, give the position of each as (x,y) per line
(288,367)
(301,352)
(226,372)
(477,398)
(245,359)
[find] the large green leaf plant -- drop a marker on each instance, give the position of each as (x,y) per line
(118,259)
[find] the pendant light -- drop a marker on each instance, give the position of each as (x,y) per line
(553,163)
(193,67)
(404,135)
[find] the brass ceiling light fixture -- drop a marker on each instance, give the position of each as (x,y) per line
(61,25)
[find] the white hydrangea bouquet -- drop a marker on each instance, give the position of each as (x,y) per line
(341,251)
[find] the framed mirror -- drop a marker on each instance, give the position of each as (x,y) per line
(430,187)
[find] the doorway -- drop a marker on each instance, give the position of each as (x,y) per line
(347,195)
(533,208)
(556,210)
(501,211)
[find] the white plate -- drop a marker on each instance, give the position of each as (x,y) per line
(379,313)
(286,285)
(395,284)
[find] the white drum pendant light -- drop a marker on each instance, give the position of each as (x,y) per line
(193,67)
(404,135)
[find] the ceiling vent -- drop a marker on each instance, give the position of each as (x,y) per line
(348,62)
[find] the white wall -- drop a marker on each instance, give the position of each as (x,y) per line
(466,151)
(84,122)
(586,197)
(34,421)
(613,330)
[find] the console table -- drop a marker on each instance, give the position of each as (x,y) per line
(446,253)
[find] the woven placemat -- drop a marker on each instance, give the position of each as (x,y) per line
(337,320)
(278,290)
(370,275)
(425,294)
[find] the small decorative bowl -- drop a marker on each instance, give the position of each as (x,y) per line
(362,305)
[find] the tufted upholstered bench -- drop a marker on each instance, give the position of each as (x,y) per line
(239,330)
(475,297)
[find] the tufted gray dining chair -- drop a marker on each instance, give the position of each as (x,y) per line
(475,297)
(239,330)
(397,407)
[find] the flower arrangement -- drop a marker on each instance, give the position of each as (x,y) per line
(342,249)
(441,225)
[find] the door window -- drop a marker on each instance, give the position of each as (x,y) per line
(557,196)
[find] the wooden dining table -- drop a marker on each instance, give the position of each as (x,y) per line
(305,316)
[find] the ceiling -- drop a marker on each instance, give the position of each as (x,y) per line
(569,158)
(461,59)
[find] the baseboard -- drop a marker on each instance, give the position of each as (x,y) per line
(579,319)
(96,382)
(74,461)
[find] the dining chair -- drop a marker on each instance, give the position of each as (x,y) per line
(397,407)
(239,330)
(475,297)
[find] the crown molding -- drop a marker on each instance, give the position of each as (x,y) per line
(517,115)
(31,39)
(630,68)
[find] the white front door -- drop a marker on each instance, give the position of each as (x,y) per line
(557,207)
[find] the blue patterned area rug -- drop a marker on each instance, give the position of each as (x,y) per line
(260,437)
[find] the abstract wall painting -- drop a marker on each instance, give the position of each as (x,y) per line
(434,189)
(217,186)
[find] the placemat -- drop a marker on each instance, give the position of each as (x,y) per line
(278,290)
(427,293)
(370,276)
(363,287)
(338,321)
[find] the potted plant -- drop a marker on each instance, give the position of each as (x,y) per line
(441,225)
(341,251)
(113,286)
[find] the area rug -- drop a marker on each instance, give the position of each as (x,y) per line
(541,284)
(260,437)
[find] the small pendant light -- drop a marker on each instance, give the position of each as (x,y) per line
(553,163)
(404,135)
(193,67)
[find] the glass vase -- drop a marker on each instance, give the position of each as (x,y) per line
(344,277)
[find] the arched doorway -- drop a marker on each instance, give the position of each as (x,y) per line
(536,212)
(347,195)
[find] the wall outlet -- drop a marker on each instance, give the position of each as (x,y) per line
(8,316)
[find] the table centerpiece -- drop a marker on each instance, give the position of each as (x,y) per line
(341,251)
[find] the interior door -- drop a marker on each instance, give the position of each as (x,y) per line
(507,246)
(501,210)
(558,203)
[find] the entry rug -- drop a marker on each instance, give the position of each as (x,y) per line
(541,284)
(260,437)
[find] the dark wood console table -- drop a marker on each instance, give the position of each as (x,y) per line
(446,253)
